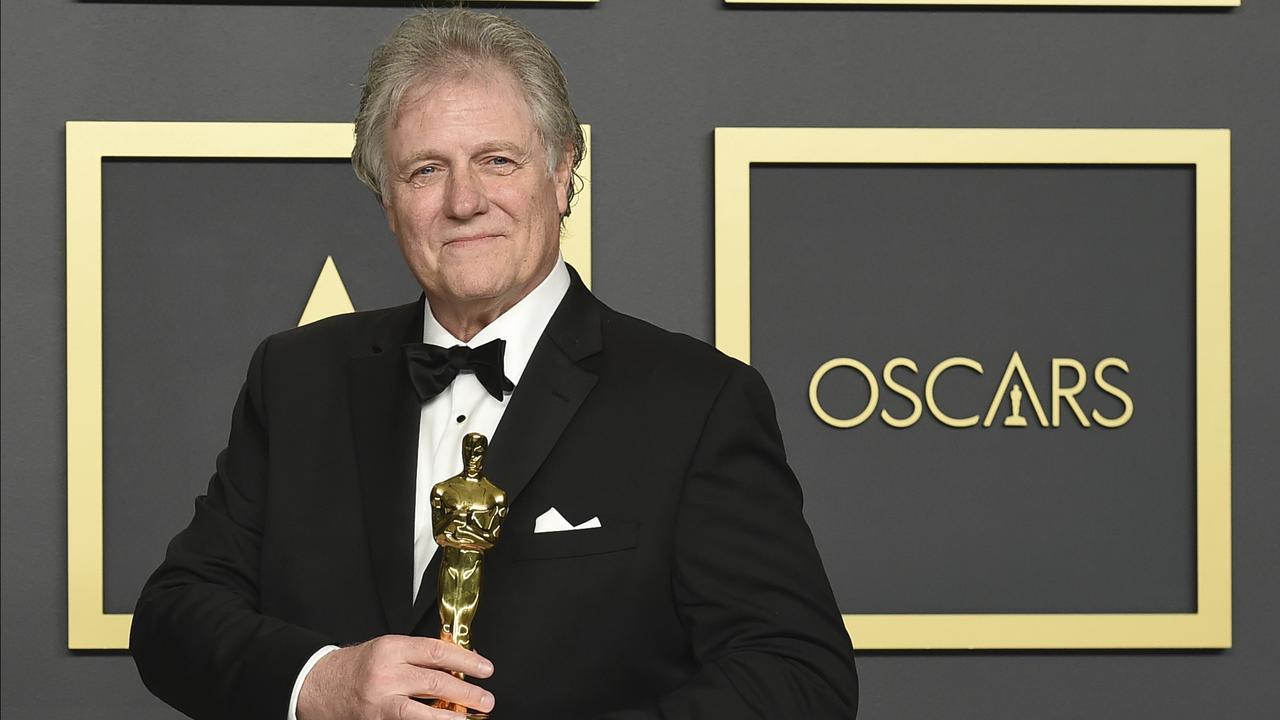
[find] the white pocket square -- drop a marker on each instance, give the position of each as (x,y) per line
(553,521)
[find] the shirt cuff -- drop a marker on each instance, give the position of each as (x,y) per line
(302,676)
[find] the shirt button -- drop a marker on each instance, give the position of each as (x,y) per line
(462,418)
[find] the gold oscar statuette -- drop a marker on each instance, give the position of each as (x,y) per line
(466,516)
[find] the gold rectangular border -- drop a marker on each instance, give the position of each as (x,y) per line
(736,149)
(88,626)
(993,3)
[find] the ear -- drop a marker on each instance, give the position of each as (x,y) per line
(562,177)
(391,216)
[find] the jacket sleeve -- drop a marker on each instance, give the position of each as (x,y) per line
(198,638)
(749,582)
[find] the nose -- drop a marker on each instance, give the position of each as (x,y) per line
(465,195)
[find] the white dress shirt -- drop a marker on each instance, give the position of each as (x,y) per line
(463,407)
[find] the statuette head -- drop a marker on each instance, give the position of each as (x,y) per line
(474,446)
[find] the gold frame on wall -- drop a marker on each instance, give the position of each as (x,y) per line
(1209,151)
(89,627)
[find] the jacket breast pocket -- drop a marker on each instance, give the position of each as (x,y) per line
(615,537)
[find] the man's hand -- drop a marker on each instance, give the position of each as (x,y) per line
(379,679)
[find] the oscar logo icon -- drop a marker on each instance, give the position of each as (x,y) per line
(1015,419)
(466,517)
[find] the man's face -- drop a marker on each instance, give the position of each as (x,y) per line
(468,193)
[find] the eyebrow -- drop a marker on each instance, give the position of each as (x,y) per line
(489,147)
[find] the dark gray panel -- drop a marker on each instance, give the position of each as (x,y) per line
(929,262)
(201,260)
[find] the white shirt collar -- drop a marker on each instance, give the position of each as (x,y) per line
(521,326)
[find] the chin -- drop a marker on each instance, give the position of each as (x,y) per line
(478,287)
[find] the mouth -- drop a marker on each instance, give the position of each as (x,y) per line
(469,240)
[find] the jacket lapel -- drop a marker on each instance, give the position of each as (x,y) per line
(385,414)
(550,392)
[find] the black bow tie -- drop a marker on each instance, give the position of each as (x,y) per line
(432,368)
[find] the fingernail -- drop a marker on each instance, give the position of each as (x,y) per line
(487,701)
(486,667)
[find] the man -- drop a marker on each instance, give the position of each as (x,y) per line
(305,584)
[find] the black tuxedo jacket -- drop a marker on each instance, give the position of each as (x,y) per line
(700,596)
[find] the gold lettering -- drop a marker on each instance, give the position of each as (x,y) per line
(902,390)
(1015,365)
(932,381)
(1069,394)
(830,419)
(1114,391)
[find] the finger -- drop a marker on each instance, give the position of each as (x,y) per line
(409,709)
(437,684)
(442,655)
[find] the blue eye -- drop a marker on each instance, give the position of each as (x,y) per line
(501,165)
(421,177)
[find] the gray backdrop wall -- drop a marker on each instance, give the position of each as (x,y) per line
(653,79)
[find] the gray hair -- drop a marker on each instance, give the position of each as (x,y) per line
(444,44)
